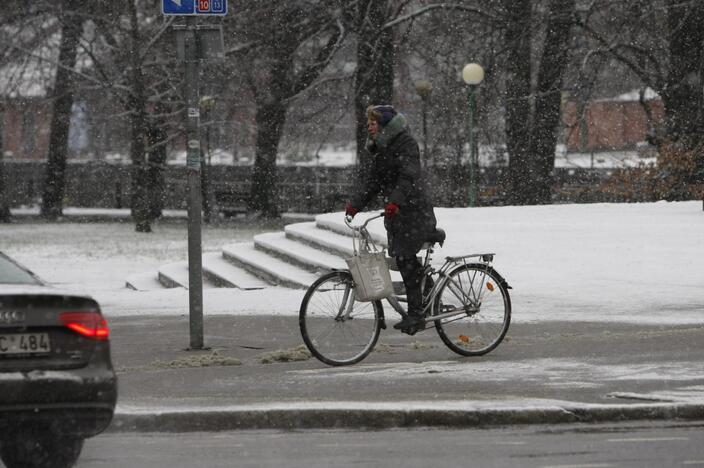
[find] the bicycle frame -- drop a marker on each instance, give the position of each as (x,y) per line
(452,284)
(442,274)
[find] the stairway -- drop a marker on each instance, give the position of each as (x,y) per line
(293,258)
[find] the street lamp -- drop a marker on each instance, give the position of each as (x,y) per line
(424,88)
(473,74)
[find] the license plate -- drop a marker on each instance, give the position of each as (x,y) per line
(25,343)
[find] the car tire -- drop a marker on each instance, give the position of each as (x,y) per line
(43,451)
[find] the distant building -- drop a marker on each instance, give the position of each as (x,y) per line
(614,124)
(25,127)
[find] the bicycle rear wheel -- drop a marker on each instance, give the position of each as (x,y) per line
(337,329)
(480,294)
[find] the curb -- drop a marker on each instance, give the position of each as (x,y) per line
(365,416)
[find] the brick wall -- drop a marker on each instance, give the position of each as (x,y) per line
(610,125)
(26,127)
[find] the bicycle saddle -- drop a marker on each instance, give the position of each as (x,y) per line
(437,237)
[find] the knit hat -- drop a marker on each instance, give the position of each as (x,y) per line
(381,113)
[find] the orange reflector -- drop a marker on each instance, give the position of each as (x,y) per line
(490,286)
(464,338)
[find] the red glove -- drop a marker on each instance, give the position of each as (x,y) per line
(391,210)
(350,210)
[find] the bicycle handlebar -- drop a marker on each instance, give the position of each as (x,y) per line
(348,222)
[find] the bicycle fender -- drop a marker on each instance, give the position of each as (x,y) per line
(491,270)
(501,279)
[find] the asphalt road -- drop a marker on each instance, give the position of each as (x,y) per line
(640,445)
(579,362)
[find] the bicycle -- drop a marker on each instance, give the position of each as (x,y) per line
(468,303)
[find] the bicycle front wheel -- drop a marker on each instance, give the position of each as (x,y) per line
(478,308)
(337,329)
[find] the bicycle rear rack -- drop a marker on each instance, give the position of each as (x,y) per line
(485,257)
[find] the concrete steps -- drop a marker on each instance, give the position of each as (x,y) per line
(309,233)
(272,269)
(175,275)
(224,274)
(303,255)
(143,282)
(292,258)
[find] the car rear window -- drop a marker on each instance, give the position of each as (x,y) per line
(11,273)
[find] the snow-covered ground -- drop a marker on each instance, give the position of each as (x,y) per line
(638,263)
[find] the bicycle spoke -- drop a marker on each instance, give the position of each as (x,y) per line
(335,327)
(480,329)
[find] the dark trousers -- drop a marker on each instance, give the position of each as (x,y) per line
(412,273)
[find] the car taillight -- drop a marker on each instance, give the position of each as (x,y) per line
(89,324)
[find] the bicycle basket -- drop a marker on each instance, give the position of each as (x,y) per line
(370,272)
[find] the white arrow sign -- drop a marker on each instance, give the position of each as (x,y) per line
(177,2)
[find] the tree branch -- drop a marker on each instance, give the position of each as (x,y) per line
(444,6)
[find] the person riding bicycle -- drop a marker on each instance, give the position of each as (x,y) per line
(395,173)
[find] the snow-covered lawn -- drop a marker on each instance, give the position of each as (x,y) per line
(641,263)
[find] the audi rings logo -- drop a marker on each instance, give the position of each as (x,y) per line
(11,316)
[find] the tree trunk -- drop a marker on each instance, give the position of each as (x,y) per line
(683,95)
(270,119)
(518,104)
(55,180)
(374,76)
(4,205)
(156,185)
(549,98)
(138,122)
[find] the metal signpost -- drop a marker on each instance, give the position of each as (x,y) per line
(195,43)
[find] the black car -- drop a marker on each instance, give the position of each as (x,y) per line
(57,383)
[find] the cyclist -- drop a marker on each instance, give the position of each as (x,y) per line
(395,173)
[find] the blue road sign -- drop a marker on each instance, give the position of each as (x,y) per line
(194,7)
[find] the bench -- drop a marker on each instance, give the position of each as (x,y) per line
(231,202)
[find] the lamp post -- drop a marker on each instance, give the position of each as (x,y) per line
(424,88)
(473,74)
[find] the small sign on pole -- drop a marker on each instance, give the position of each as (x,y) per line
(194,7)
(210,41)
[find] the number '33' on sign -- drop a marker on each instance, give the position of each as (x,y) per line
(209,5)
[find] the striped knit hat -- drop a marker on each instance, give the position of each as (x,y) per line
(381,113)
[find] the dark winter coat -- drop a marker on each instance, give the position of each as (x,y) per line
(395,173)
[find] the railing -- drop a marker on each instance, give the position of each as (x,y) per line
(300,189)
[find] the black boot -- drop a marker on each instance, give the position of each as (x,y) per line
(412,273)
(411,323)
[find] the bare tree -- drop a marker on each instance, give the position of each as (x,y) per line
(553,66)
(291,43)
(63,92)
(374,74)
(518,39)
(533,109)
(129,64)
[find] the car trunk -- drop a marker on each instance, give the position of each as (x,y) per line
(47,332)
